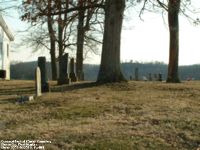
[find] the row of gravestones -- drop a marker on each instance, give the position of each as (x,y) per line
(64,77)
(156,77)
(41,82)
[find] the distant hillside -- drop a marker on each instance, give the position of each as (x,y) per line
(25,70)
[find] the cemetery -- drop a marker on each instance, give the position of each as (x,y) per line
(120,109)
(123,115)
(76,114)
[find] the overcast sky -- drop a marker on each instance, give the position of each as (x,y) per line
(143,41)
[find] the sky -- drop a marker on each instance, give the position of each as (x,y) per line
(149,41)
(144,40)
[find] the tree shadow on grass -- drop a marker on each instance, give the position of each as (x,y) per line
(83,85)
(17,91)
(8,101)
(74,86)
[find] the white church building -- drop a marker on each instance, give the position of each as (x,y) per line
(5,38)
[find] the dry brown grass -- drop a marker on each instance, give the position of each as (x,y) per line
(133,115)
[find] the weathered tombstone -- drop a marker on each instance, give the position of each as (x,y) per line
(72,75)
(131,78)
(63,75)
(144,78)
(159,77)
(136,74)
(150,77)
(3,74)
(42,66)
(38,91)
(155,77)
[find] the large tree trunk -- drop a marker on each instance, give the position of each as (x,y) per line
(80,42)
(60,48)
(52,42)
(52,49)
(173,13)
(110,70)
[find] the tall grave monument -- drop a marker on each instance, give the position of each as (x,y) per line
(63,71)
(42,66)
(72,74)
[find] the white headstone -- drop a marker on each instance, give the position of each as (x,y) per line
(144,78)
(38,82)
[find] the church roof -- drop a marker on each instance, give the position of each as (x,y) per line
(6,29)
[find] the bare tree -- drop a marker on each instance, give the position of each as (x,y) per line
(173,22)
(80,41)
(85,21)
(173,9)
(30,10)
(110,60)
(50,23)
(41,12)
(7,6)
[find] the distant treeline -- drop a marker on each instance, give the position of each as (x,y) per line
(25,70)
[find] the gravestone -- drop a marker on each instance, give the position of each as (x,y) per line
(42,66)
(131,78)
(159,77)
(155,77)
(144,78)
(63,75)
(150,77)
(3,74)
(38,91)
(136,74)
(72,75)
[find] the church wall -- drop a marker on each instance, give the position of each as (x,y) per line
(5,53)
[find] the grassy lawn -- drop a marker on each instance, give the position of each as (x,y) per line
(122,116)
